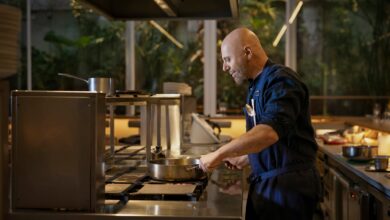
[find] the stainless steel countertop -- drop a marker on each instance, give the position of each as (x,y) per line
(375,179)
(217,202)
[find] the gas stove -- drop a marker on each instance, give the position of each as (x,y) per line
(131,186)
(150,189)
(126,179)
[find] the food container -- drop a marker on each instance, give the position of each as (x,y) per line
(359,152)
(381,162)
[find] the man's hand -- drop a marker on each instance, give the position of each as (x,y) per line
(237,163)
(210,161)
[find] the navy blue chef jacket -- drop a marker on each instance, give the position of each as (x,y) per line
(284,181)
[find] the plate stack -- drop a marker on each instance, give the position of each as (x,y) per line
(177,88)
(10,19)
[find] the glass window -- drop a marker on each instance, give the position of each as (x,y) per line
(70,39)
(343,55)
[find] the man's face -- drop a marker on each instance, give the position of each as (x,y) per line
(234,61)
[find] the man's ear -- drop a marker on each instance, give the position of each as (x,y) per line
(248,52)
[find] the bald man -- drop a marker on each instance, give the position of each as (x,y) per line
(279,144)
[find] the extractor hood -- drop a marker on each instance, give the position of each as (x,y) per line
(164,9)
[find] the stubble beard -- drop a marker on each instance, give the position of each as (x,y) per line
(240,77)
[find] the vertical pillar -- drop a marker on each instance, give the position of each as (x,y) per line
(28,20)
(210,67)
(291,37)
(130,60)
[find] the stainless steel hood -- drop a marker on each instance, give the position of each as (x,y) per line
(164,9)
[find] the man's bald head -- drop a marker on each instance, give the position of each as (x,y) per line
(242,54)
(242,37)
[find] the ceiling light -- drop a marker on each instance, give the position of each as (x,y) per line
(165,7)
(168,35)
(290,21)
(295,13)
(281,32)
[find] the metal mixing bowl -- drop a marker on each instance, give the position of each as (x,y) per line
(360,152)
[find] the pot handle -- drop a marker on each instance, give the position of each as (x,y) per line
(71,76)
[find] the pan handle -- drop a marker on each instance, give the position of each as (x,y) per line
(71,76)
(192,167)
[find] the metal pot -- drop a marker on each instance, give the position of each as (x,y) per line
(96,84)
(176,169)
(360,152)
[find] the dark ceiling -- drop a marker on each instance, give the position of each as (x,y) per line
(149,9)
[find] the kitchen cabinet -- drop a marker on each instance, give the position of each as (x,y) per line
(345,198)
(351,192)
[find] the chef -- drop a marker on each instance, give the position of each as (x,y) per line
(279,144)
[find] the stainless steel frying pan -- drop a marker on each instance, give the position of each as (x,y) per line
(176,169)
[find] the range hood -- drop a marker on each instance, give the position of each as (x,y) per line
(164,9)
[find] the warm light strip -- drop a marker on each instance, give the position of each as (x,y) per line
(169,36)
(290,21)
(281,32)
(295,13)
(165,7)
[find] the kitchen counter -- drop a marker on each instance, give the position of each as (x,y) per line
(379,125)
(215,203)
(223,198)
(376,182)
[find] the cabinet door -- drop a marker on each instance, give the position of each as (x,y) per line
(341,196)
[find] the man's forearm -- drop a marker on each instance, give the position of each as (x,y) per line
(255,140)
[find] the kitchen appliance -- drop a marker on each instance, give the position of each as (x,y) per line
(176,169)
(202,132)
(359,152)
(96,84)
(57,150)
(161,124)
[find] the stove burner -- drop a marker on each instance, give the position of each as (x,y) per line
(185,191)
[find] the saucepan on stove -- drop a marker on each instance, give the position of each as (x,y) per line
(96,84)
(176,169)
(360,152)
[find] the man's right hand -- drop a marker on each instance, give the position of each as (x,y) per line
(237,163)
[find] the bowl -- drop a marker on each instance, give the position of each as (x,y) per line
(359,152)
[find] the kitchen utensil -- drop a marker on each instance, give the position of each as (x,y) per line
(96,84)
(359,152)
(251,113)
(381,162)
(176,169)
(157,152)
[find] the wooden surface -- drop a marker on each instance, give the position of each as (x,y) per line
(10,22)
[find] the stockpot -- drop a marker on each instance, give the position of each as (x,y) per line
(96,84)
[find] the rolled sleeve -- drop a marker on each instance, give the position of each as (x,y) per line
(283,99)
